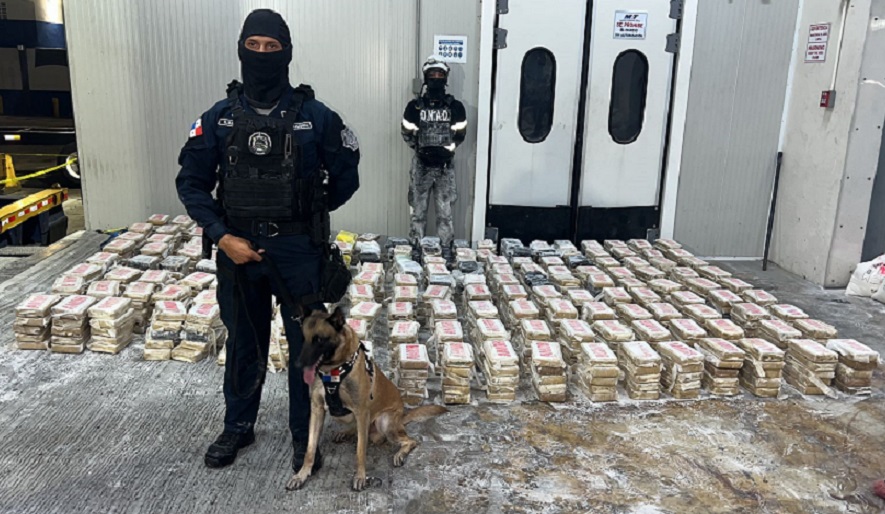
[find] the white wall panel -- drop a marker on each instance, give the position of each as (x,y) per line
(141,72)
(459,18)
(736,97)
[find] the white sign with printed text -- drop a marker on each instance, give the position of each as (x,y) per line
(818,39)
(630,25)
(450,48)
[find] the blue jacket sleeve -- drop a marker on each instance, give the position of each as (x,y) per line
(198,177)
(340,155)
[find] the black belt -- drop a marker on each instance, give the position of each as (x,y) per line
(270,228)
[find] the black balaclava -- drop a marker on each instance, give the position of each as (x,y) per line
(265,74)
(436,87)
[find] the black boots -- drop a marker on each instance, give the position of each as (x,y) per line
(300,450)
(224,450)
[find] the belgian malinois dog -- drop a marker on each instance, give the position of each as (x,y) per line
(363,398)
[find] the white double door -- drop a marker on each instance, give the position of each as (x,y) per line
(537,92)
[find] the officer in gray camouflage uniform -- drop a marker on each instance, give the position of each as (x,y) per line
(433,125)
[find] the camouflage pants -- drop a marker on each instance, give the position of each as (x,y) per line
(439,180)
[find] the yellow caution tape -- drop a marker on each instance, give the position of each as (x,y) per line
(39,173)
(39,154)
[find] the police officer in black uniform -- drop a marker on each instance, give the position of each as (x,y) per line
(281,160)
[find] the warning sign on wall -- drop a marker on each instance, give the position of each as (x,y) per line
(818,39)
(630,25)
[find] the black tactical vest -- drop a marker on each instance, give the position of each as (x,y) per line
(262,171)
(435,127)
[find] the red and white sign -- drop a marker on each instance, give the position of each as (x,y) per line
(630,25)
(818,39)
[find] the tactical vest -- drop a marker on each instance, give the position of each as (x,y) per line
(435,127)
(262,177)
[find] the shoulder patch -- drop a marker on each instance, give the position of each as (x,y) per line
(225,122)
(304,125)
(196,128)
(349,140)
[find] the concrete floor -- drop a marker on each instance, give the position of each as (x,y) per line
(96,433)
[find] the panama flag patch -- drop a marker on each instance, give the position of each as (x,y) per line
(197,128)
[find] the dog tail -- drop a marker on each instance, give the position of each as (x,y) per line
(423,413)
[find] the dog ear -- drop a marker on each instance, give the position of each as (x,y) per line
(337,319)
(307,310)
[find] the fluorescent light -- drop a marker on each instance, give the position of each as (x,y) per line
(12,137)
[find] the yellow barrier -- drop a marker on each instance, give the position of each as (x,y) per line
(38,173)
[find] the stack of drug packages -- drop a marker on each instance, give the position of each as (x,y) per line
(412,371)
(198,281)
(202,330)
(558,310)
(683,368)
(445,331)
(517,310)
(32,322)
(457,363)
(402,332)
(527,332)
(104,259)
(164,333)
(483,323)
(123,274)
(747,316)
(854,372)
(140,293)
(399,311)
(613,333)
(500,366)
(112,320)
(368,312)
(597,372)
(371,277)
(548,371)
(103,289)
(778,332)
(811,367)
(67,285)
(432,294)
(642,369)
(70,324)
(763,367)
(723,361)
(358,293)
(572,334)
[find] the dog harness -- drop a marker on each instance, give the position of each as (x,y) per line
(333,379)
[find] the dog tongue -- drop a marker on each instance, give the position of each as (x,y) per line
(310,374)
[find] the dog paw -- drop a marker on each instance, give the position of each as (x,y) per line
(297,481)
(399,459)
(359,482)
(342,437)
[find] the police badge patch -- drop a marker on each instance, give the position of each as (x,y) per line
(349,140)
(259,143)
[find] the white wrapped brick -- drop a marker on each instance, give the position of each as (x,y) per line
(787,312)
(68,285)
(616,295)
(664,312)
(365,310)
(650,330)
(759,297)
(482,309)
(443,309)
(103,288)
(612,331)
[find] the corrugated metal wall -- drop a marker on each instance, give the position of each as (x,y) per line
(142,71)
(736,99)
(458,18)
